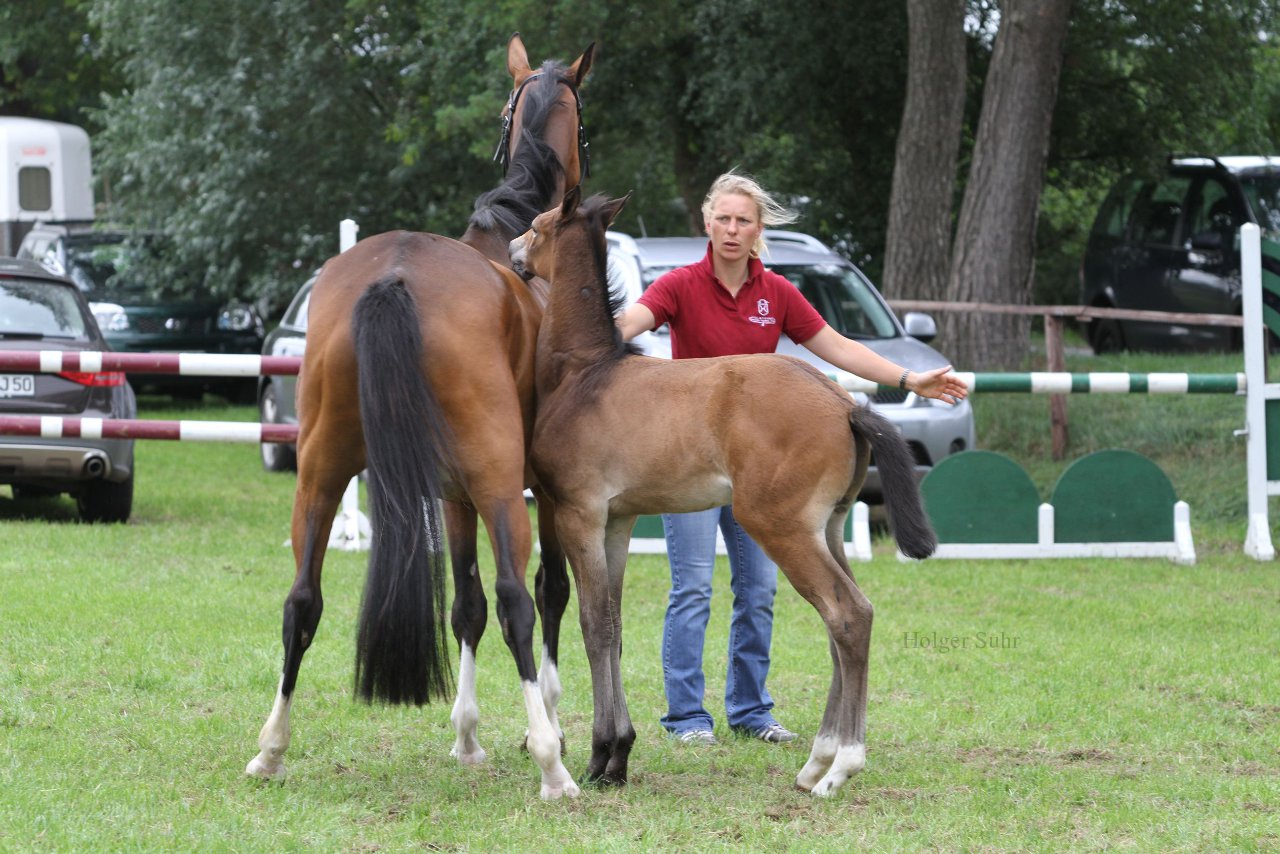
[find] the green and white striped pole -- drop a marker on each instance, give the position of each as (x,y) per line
(1066,383)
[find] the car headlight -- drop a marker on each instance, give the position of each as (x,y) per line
(238,317)
(110,317)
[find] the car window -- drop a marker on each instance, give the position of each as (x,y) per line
(1214,211)
(843,298)
(1113,216)
(32,308)
(1263,193)
(296,314)
(1158,211)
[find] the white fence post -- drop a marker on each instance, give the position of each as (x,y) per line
(351,529)
(1257,543)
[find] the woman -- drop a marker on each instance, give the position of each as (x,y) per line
(729,304)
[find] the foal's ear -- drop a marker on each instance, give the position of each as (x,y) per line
(581,65)
(517,59)
(610,209)
(570,203)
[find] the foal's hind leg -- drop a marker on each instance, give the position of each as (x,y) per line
(320,486)
(469,616)
(839,748)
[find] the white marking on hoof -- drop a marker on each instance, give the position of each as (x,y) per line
(466,714)
(820,759)
(544,747)
(273,741)
(553,791)
(549,685)
(261,766)
(850,759)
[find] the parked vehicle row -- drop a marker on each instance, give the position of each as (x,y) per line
(136,320)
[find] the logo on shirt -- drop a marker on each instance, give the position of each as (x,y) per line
(762,310)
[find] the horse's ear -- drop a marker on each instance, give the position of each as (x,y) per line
(570,203)
(612,208)
(517,59)
(578,71)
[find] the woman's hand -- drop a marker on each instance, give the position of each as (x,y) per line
(938,385)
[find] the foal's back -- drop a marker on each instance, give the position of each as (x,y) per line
(757,424)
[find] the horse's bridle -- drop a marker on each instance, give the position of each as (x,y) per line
(503,154)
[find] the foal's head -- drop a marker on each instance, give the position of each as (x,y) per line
(567,243)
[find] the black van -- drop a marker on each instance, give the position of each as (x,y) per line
(1172,244)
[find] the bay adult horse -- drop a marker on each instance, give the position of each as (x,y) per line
(419,368)
(767,433)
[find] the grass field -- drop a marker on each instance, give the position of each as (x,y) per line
(1067,705)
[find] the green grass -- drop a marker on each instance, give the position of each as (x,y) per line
(1132,704)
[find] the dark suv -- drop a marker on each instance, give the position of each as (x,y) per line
(1172,244)
(136,320)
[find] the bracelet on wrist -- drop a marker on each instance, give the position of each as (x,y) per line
(902,380)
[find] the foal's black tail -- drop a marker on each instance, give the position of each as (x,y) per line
(402,653)
(893,458)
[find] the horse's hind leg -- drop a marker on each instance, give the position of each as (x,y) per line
(316,501)
(507,520)
(551,595)
(469,616)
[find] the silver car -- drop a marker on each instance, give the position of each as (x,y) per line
(40,310)
(854,308)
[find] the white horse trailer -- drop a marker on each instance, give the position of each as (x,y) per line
(46,176)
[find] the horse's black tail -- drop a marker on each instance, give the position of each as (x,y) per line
(893,458)
(402,653)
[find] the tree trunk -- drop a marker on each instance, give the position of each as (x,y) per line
(993,255)
(918,240)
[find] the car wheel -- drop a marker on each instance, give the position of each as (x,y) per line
(275,455)
(1105,336)
(106,500)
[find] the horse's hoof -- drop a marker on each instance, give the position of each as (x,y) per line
(826,788)
(472,757)
(554,793)
(264,770)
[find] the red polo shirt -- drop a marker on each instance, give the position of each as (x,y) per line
(706,321)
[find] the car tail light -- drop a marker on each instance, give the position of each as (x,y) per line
(94,379)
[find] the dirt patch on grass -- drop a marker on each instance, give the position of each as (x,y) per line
(1018,756)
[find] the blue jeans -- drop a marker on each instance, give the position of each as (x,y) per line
(691,544)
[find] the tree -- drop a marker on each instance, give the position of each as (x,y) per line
(918,239)
(994,249)
(51,62)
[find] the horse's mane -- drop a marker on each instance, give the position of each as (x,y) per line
(531,178)
(612,292)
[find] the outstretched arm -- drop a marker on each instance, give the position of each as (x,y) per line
(856,358)
(634,320)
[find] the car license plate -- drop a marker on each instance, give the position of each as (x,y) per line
(17,385)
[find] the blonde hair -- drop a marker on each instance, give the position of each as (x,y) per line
(770,211)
